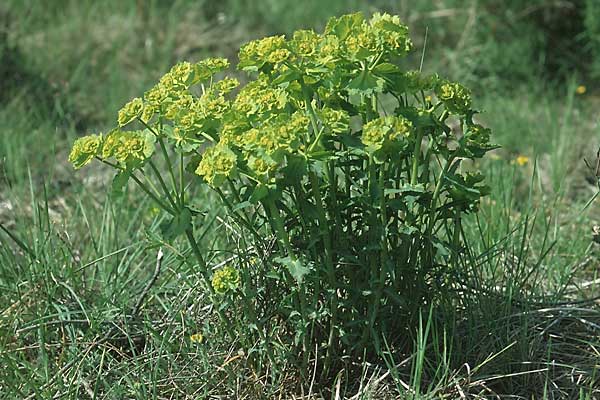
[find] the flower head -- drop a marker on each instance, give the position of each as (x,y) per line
(130,111)
(218,163)
(225,279)
(129,148)
(206,69)
(521,160)
(304,43)
(254,55)
(84,150)
(383,129)
(197,338)
(456,97)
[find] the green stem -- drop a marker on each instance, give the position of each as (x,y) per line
(162,184)
(333,186)
(243,218)
(169,164)
(330,267)
(162,205)
(301,293)
(206,277)
(436,195)
(181,180)
(416,158)
(164,153)
(384,252)
(280,229)
(311,112)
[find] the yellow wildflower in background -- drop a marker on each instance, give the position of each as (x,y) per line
(581,89)
(197,338)
(522,160)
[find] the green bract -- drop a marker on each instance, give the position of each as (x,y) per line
(341,171)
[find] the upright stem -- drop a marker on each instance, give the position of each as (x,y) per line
(160,203)
(330,267)
(280,229)
(165,155)
(301,298)
(206,277)
(416,157)
(181,180)
(162,184)
(169,165)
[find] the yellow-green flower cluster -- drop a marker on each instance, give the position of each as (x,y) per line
(234,125)
(336,121)
(385,129)
(226,85)
(255,54)
(84,150)
(206,69)
(329,50)
(130,111)
(225,279)
(283,133)
(477,140)
(392,34)
(180,74)
(212,106)
(129,148)
(217,164)
(382,35)
(175,83)
(259,97)
(305,43)
(261,165)
(456,97)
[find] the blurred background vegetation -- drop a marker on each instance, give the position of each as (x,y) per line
(67,67)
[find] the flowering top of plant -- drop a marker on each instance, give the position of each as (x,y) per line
(307,89)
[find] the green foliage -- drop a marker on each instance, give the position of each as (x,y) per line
(347,159)
(72,266)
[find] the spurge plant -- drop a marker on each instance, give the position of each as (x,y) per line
(338,168)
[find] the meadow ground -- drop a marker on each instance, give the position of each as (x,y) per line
(75,261)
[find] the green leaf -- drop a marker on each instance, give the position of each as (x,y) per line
(287,76)
(193,163)
(295,169)
(365,83)
(119,182)
(407,189)
(177,225)
(296,268)
(260,192)
(386,68)
(343,26)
